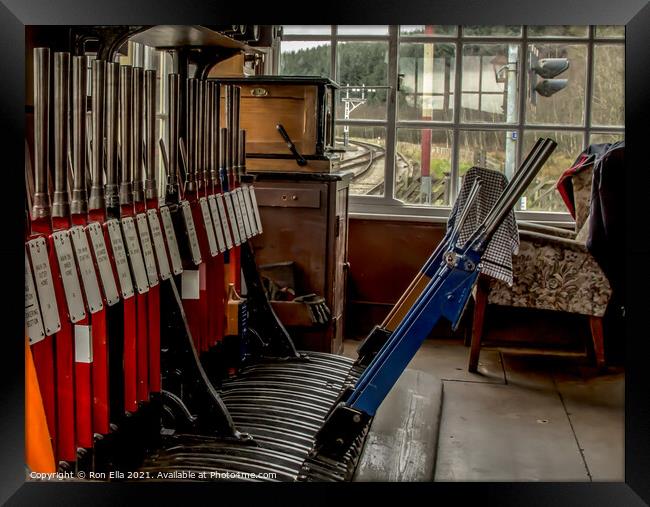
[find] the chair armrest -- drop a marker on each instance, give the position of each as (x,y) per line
(546,229)
(547,239)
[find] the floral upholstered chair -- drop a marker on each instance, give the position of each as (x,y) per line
(552,271)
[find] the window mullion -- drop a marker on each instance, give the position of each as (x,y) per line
(455,152)
(333,51)
(391,115)
(523,95)
(589,85)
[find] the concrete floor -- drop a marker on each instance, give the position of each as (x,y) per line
(521,418)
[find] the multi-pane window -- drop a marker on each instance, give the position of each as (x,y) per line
(358,58)
(420,104)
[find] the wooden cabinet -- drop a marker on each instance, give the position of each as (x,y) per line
(304,106)
(305,220)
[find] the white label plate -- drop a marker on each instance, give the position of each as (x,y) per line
(147,249)
(223,216)
(191,232)
(135,255)
(44,285)
(33,321)
(119,255)
(216,221)
(69,276)
(249,210)
(172,244)
(190,284)
(238,215)
(86,268)
(242,206)
(232,216)
(96,233)
(159,244)
(256,209)
(83,344)
(209,227)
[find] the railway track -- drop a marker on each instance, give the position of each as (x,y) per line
(368,177)
(372,152)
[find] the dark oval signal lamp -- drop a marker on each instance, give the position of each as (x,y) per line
(547,68)
(548,87)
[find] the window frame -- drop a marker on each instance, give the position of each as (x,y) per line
(386,206)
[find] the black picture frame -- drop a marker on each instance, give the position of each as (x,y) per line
(635,14)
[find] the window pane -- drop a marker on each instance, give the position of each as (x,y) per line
(492,149)
(426,89)
(365,157)
(305,58)
(606,137)
(489,83)
(542,195)
(361,67)
(306,29)
(558,31)
(608,99)
(566,106)
(434,30)
(617,31)
(492,31)
(423,166)
(362,30)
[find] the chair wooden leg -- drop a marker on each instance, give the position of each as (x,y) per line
(477,324)
(598,338)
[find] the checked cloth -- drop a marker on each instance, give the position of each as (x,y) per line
(497,259)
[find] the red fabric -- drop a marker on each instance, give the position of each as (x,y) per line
(564,185)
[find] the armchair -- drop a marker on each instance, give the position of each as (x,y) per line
(553,271)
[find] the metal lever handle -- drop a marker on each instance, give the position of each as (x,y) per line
(79,204)
(41,202)
(458,226)
(300,160)
(163,156)
(61,204)
(188,176)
